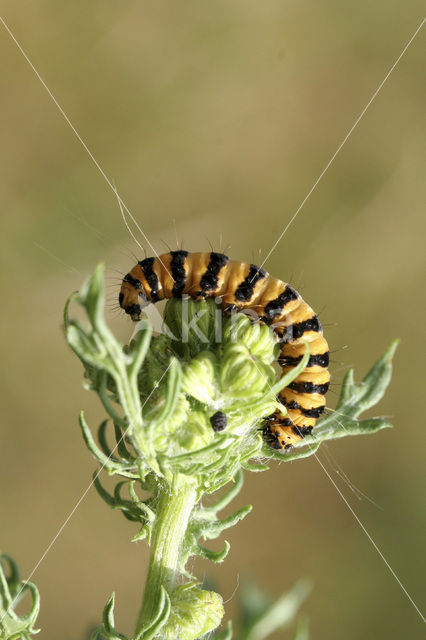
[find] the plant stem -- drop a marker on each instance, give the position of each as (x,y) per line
(173,512)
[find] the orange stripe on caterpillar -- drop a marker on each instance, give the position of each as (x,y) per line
(240,286)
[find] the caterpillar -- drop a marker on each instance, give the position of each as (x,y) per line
(241,286)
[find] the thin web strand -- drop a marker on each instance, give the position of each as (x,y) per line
(356,518)
(370,538)
(120,204)
(339,148)
(74,509)
(80,139)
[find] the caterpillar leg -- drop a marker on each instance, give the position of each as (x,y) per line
(282,433)
(304,397)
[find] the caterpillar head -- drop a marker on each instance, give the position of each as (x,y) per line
(132,298)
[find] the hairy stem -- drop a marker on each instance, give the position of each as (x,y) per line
(173,512)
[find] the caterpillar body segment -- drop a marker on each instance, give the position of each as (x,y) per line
(241,286)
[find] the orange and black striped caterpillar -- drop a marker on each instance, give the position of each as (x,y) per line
(242,286)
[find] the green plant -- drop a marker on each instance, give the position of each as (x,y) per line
(260,615)
(159,393)
(12,590)
(167,389)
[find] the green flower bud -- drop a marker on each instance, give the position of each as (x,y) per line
(156,362)
(194,613)
(193,326)
(199,377)
(163,434)
(195,432)
(258,338)
(241,375)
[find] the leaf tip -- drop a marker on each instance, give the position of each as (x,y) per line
(70,298)
(392,348)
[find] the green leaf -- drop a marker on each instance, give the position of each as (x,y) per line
(343,421)
(161,617)
(372,389)
(201,454)
(138,349)
(226,634)
(134,509)
(295,454)
(12,590)
(301,631)
(174,376)
(91,297)
(293,373)
(214,556)
(228,496)
(121,444)
(255,467)
(103,441)
(108,623)
(107,463)
(355,399)
(278,615)
(9,585)
(212,530)
(108,615)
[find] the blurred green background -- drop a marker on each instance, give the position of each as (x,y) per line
(216,118)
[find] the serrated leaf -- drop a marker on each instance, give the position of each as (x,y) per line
(360,397)
(347,388)
(347,427)
(354,399)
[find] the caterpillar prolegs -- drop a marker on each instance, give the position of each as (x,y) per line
(245,286)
